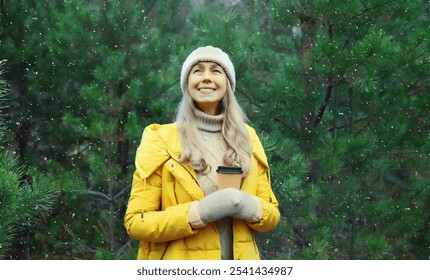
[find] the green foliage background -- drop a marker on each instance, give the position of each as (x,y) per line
(337,90)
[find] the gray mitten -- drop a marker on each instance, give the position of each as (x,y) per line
(225,203)
(250,208)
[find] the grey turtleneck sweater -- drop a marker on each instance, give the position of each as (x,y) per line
(209,127)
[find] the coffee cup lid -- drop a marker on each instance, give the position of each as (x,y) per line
(230,169)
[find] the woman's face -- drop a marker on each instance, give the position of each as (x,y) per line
(207,85)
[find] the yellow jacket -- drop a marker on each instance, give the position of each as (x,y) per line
(163,189)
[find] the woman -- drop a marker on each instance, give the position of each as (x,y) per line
(175,208)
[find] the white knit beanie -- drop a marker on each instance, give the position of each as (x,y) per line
(208,54)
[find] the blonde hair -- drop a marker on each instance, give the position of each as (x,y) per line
(233,131)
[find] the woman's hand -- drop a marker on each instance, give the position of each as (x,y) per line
(228,202)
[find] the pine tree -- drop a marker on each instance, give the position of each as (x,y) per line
(349,90)
(23,204)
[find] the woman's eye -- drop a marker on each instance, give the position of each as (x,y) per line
(197,70)
(217,71)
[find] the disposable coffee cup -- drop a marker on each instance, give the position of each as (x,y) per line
(229,177)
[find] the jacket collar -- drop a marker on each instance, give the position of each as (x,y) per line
(159,144)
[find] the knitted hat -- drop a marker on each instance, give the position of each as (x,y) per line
(208,54)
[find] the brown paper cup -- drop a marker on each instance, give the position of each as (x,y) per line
(229,177)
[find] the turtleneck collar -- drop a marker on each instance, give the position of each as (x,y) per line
(209,123)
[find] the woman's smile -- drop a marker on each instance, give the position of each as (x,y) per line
(206,90)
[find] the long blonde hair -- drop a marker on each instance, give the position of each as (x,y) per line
(233,131)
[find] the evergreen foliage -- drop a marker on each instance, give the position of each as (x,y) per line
(22,204)
(337,90)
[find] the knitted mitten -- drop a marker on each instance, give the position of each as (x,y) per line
(223,203)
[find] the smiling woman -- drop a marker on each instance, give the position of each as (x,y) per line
(177,208)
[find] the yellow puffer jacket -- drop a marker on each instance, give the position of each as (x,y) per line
(163,189)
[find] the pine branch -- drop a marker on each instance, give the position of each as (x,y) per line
(96,193)
(358,119)
(321,110)
(330,85)
(397,182)
(102,195)
(418,90)
(164,90)
(123,191)
(373,8)
(252,102)
(36,202)
(364,23)
(21,204)
(77,241)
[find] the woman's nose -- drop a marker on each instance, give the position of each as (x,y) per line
(206,77)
